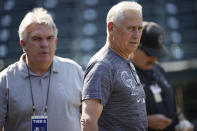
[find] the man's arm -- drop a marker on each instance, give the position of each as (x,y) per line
(1,128)
(158,121)
(91,111)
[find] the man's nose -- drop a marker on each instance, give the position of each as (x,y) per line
(137,34)
(44,43)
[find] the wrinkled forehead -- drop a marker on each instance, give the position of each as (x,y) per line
(132,16)
(132,12)
(39,29)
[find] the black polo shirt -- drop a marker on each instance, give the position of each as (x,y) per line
(168,104)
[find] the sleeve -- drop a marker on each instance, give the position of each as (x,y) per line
(80,73)
(3,100)
(97,82)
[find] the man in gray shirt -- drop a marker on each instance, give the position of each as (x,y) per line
(40,91)
(113,97)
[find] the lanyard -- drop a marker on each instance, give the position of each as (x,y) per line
(133,72)
(33,104)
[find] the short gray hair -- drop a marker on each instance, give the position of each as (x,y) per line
(39,16)
(115,14)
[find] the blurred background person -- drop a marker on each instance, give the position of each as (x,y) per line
(160,97)
(113,98)
(40,90)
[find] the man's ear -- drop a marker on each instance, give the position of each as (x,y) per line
(110,27)
(23,45)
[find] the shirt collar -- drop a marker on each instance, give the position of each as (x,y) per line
(24,71)
(55,68)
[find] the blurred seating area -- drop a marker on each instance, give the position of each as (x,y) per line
(82,26)
(82,32)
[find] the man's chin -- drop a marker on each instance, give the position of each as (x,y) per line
(132,50)
(45,60)
(149,66)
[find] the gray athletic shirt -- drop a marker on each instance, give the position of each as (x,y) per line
(115,83)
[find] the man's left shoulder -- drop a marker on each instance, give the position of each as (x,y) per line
(66,61)
(61,63)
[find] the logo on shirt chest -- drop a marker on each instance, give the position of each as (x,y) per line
(127,80)
(135,91)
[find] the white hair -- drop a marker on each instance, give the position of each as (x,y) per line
(115,14)
(39,16)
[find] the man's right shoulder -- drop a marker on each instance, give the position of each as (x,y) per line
(99,67)
(10,69)
(100,60)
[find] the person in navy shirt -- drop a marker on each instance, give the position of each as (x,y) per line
(160,97)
